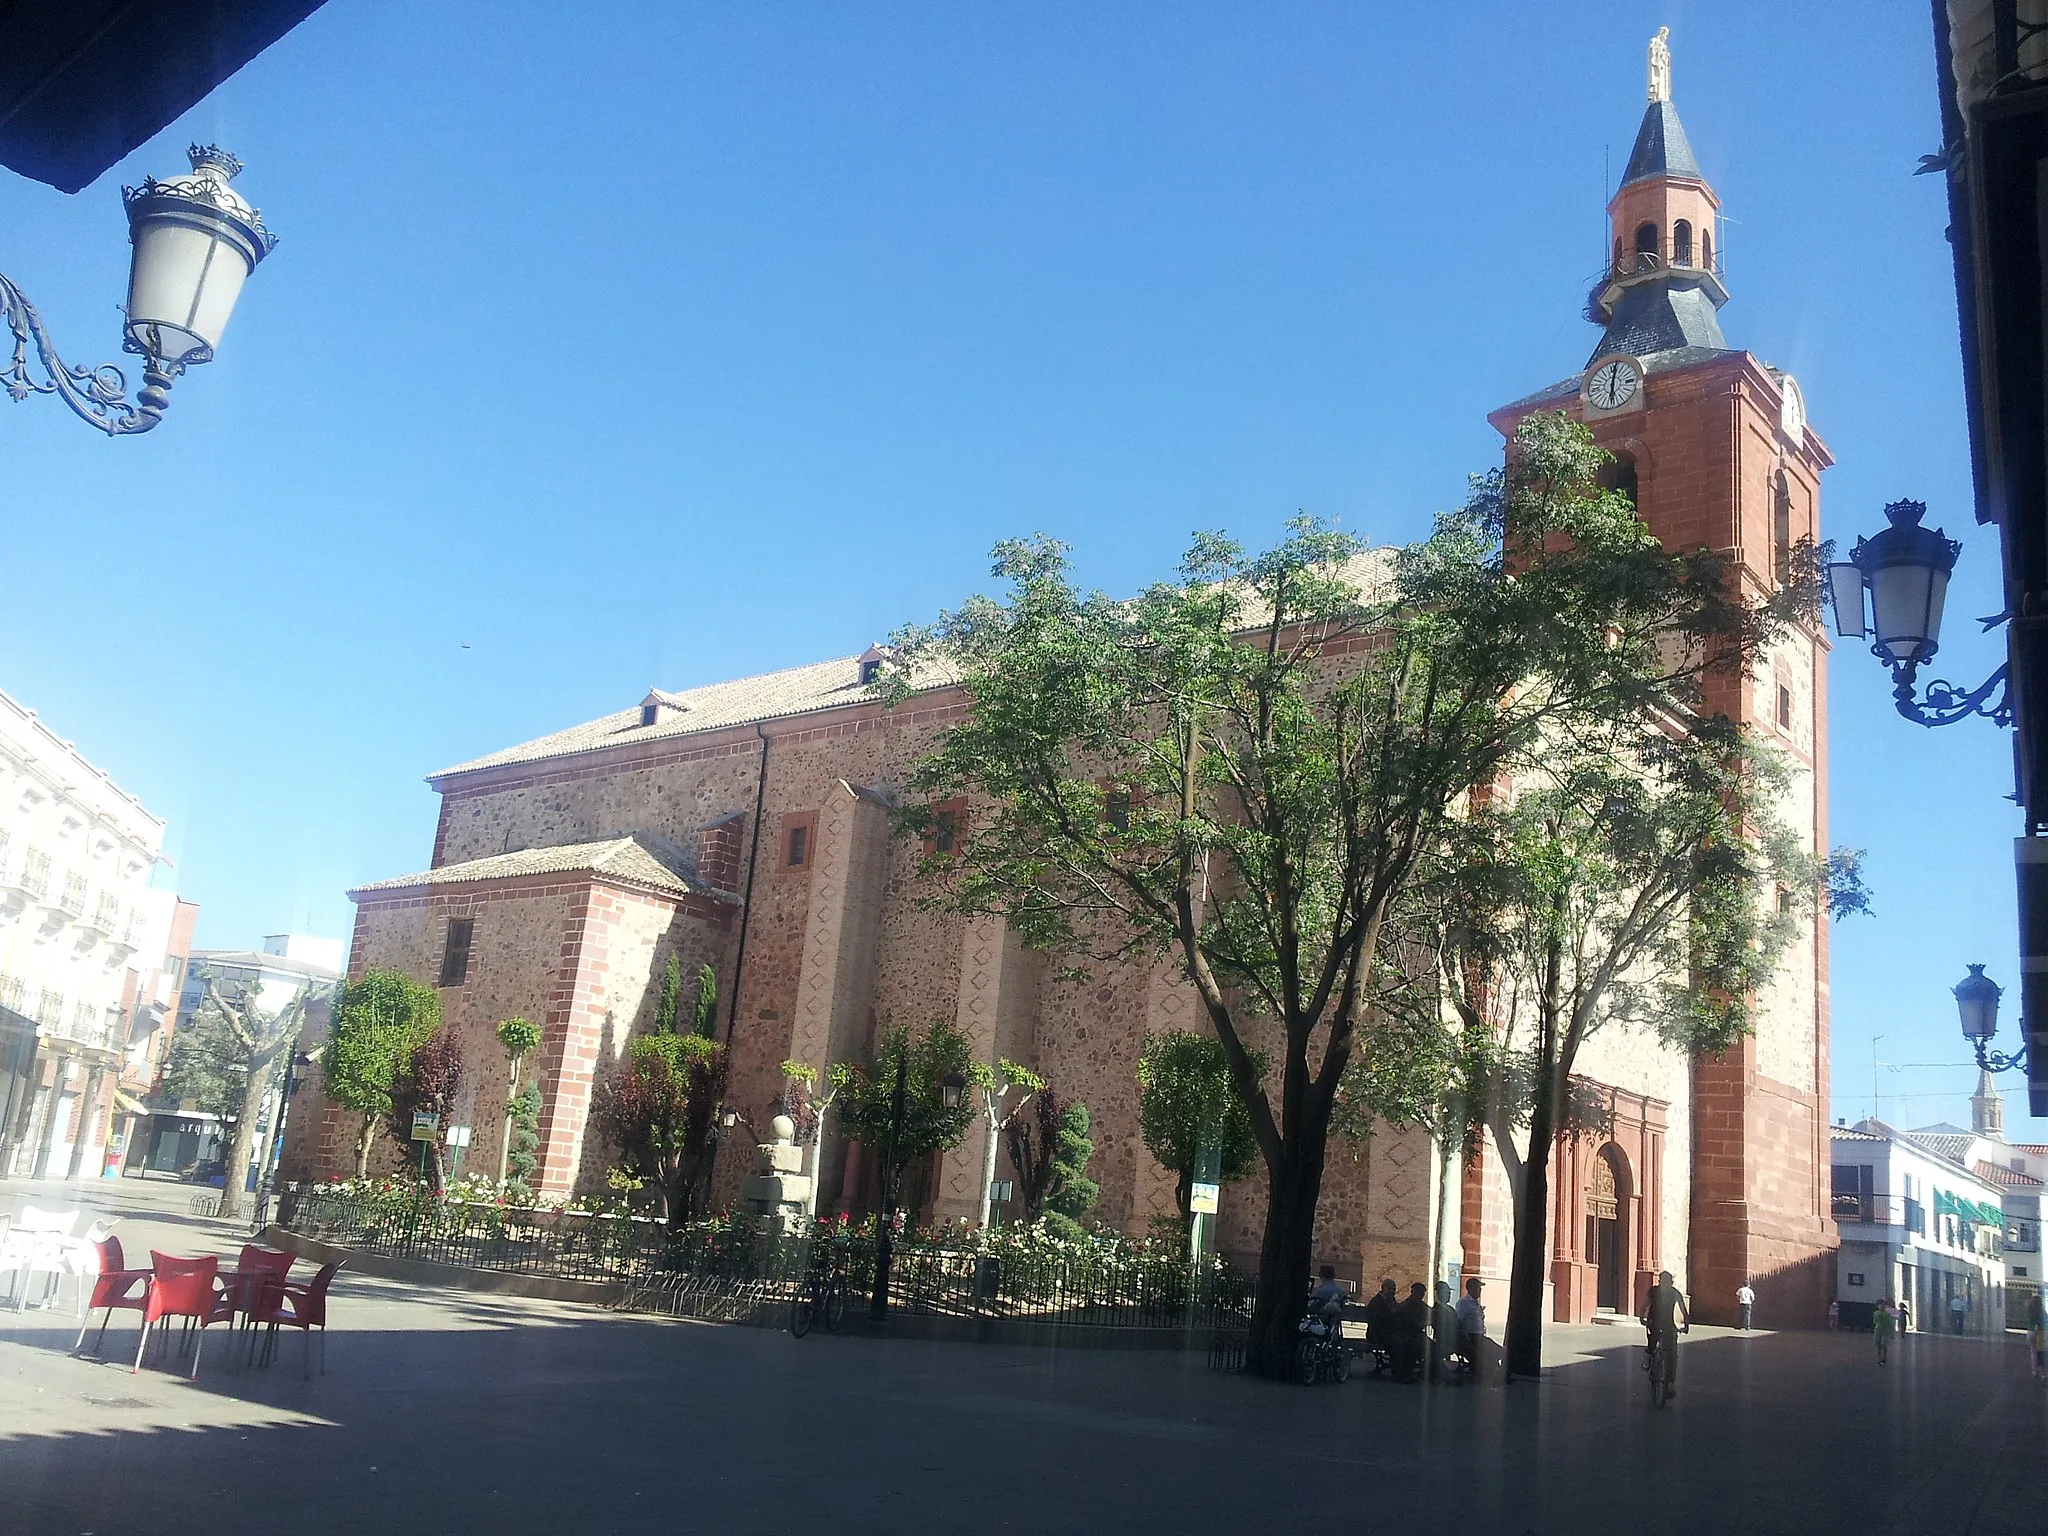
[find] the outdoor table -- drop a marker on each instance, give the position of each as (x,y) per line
(244,1289)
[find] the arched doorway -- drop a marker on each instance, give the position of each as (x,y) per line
(1607,1234)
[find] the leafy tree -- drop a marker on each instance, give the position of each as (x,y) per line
(807,1109)
(1031,1145)
(428,1080)
(523,1144)
(703,1008)
(238,1048)
(667,1005)
(520,1038)
(1646,882)
(380,1018)
(204,1069)
(660,1108)
(705,1015)
(1070,1193)
(867,1095)
(1296,730)
(1185,1104)
(995,1087)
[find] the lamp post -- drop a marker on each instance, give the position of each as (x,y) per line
(295,1065)
(1905,569)
(195,241)
(950,1092)
(1977,1003)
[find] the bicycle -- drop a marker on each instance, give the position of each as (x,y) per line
(823,1295)
(1662,1372)
(1321,1355)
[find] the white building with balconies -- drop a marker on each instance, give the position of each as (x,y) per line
(76,913)
(1918,1224)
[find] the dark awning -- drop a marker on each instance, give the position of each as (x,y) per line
(83,82)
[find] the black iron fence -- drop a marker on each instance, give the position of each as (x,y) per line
(1017,1283)
(404,1224)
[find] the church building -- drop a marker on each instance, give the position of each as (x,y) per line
(745,825)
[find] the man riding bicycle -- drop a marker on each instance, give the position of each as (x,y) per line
(1665,1317)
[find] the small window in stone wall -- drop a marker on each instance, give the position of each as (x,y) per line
(1784,707)
(799,841)
(455,958)
(943,833)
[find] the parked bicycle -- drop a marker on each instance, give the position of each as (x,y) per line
(1321,1355)
(823,1295)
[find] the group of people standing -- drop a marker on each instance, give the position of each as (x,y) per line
(1413,1337)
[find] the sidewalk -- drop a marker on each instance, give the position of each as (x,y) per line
(513,1416)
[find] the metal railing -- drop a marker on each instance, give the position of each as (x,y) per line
(732,1268)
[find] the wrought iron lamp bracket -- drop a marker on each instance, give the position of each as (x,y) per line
(1945,703)
(1996,1061)
(98,396)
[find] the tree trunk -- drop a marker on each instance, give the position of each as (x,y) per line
(1524,1338)
(255,1096)
(1184,1200)
(366,1138)
(1293,1187)
(505,1140)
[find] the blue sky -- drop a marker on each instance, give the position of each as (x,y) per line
(645,345)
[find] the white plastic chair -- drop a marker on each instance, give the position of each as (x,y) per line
(35,1245)
(81,1256)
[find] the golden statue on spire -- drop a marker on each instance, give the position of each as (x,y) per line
(1660,65)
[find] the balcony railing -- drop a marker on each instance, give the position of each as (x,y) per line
(1868,1210)
(1628,264)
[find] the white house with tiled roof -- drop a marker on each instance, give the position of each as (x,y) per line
(1918,1224)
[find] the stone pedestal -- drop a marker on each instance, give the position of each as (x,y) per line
(778,1190)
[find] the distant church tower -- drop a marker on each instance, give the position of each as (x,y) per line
(1987,1109)
(1713,445)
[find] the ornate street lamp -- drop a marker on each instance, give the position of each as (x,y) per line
(1905,570)
(1977,1002)
(195,242)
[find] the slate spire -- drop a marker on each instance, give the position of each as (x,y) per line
(1661,147)
(1658,298)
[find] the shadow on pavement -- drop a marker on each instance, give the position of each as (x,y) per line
(508,1415)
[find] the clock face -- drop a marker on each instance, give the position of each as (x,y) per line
(1612,386)
(1791,409)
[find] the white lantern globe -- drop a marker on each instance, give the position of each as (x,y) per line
(1977,1004)
(196,240)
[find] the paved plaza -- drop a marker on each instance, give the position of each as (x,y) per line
(450,1411)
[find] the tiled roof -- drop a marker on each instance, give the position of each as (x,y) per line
(1853,1133)
(1951,1147)
(258,960)
(773,696)
(640,860)
(770,696)
(2005,1178)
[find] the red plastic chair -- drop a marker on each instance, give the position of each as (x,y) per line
(303,1307)
(188,1288)
(114,1287)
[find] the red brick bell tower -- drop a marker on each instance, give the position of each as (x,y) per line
(1714,445)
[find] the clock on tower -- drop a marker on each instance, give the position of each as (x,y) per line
(1714,446)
